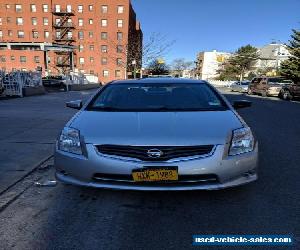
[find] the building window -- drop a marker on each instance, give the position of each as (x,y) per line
(46,34)
(69,8)
(70,34)
(46,21)
(119,61)
(119,49)
(19,21)
(120,23)
(7,6)
(120,36)
(2,59)
(34,21)
(12,58)
(80,22)
(81,60)
(120,9)
(104,9)
(80,48)
(1,33)
(70,23)
(59,60)
(21,34)
(35,34)
(57,34)
(92,47)
(18,7)
(104,49)
(80,35)
(23,59)
(118,73)
(91,7)
(91,21)
(80,8)
(105,73)
(37,59)
(33,8)
(0,20)
(45,8)
(57,21)
(57,8)
(10,33)
(91,34)
(104,60)
(92,59)
(8,19)
(104,22)
(104,35)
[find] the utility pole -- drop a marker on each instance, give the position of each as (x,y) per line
(134,70)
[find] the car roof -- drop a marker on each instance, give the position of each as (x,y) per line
(159,80)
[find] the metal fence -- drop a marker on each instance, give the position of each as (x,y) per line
(13,83)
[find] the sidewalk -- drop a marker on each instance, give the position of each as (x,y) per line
(28,129)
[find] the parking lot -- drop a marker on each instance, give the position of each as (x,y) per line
(64,217)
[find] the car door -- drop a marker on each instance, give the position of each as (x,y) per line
(252,85)
(296,89)
(240,87)
(257,85)
(263,86)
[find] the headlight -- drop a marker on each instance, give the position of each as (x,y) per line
(242,141)
(69,141)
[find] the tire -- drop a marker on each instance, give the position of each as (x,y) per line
(286,95)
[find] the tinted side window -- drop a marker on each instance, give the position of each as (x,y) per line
(256,80)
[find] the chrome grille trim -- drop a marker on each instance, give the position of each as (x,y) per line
(208,150)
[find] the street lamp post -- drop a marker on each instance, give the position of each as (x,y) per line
(134,70)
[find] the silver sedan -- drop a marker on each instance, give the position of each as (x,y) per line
(157,134)
(241,87)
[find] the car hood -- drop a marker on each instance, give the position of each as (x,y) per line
(156,128)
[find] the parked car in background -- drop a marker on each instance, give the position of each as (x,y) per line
(267,86)
(59,82)
(290,91)
(241,87)
(1,90)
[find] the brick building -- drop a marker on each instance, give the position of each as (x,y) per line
(98,37)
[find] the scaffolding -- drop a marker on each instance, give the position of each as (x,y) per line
(64,36)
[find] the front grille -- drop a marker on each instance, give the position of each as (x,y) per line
(163,153)
(182,179)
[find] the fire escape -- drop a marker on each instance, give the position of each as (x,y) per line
(64,36)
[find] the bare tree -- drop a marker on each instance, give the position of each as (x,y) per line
(136,54)
(180,65)
(157,46)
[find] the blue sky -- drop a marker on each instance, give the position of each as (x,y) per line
(224,25)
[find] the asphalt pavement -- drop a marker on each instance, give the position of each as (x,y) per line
(68,217)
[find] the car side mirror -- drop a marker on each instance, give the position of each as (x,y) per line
(241,104)
(74,104)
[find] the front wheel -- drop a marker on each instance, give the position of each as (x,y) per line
(286,95)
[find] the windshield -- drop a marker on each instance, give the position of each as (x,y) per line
(245,83)
(280,81)
(157,97)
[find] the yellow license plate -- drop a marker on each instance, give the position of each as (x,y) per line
(155,174)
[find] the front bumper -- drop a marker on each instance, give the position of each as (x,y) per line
(230,170)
